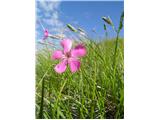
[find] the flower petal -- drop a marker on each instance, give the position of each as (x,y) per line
(66,44)
(61,67)
(74,65)
(58,54)
(78,51)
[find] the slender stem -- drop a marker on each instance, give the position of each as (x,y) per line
(106,35)
(82,96)
(50,98)
(94,92)
(42,95)
(115,64)
(58,97)
(43,76)
(41,25)
(115,54)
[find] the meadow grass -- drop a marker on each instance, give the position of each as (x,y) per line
(95,91)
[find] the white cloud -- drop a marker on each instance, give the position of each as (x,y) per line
(47,13)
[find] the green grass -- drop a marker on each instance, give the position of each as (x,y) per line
(95,91)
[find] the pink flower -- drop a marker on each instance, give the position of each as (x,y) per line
(46,34)
(68,56)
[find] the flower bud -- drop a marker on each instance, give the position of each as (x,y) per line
(71,28)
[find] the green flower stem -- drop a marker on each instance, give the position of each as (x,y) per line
(115,53)
(41,106)
(42,93)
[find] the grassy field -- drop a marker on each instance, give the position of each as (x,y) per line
(95,91)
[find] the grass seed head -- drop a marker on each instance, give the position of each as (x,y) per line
(108,20)
(121,21)
(71,28)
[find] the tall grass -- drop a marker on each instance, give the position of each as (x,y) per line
(95,91)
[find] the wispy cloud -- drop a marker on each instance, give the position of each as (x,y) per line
(48,14)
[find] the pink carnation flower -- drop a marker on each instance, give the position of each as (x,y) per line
(68,56)
(46,34)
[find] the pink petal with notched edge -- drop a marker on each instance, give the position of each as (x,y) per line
(61,67)
(78,51)
(58,54)
(66,44)
(74,65)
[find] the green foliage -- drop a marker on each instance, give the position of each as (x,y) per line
(95,91)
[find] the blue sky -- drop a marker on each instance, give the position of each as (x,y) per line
(85,14)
